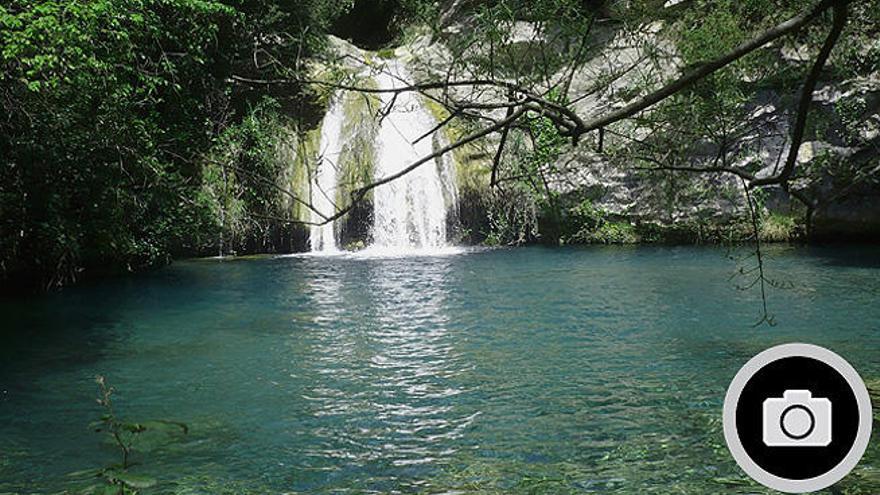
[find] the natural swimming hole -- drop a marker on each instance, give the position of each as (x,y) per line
(528,370)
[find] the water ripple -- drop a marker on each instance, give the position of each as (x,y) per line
(499,371)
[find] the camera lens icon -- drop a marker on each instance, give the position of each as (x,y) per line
(797,420)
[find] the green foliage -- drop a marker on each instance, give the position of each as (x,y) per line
(514,209)
(581,222)
(584,223)
(512,217)
(775,227)
(245,181)
(851,112)
(858,53)
(272,37)
(124,141)
(621,232)
(104,102)
(108,109)
(547,143)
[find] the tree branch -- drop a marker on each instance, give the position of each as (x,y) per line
(496,160)
(359,193)
(711,66)
(806,100)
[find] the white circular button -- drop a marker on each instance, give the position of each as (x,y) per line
(797,422)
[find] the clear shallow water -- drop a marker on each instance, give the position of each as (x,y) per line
(527,370)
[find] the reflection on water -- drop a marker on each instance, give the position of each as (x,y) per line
(388,366)
(502,371)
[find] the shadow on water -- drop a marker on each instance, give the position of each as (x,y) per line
(39,335)
(854,256)
(73,326)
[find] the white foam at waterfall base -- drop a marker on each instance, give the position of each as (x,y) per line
(323,186)
(409,212)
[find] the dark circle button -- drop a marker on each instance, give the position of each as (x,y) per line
(797,418)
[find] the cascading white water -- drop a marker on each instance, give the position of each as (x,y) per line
(323,186)
(409,212)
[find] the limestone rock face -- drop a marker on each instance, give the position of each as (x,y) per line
(847,191)
(622,191)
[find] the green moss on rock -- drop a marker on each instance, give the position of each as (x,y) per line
(360,130)
(304,162)
(473,164)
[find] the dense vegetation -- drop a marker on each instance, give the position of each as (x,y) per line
(109,110)
(130,133)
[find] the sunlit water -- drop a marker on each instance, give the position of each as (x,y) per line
(505,371)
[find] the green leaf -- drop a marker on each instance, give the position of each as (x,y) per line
(133,427)
(131,480)
(163,424)
(85,473)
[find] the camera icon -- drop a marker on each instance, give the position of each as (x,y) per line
(797,420)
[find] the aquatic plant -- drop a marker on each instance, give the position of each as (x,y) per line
(116,478)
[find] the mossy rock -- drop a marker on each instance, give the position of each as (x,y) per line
(304,163)
(359,133)
(473,164)
(355,245)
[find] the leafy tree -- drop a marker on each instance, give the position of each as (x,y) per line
(104,101)
(108,107)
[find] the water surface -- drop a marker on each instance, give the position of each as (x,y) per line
(525,370)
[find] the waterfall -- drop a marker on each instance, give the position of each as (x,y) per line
(323,186)
(410,212)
